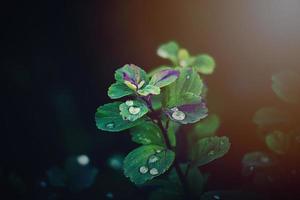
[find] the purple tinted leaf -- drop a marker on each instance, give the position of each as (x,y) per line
(164,77)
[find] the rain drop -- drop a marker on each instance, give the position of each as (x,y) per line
(134,110)
(158,151)
(83,160)
(188,77)
(129,103)
(211,153)
(174,109)
(217,197)
(153,159)
(153,171)
(110,125)
(143,169)
(178,115)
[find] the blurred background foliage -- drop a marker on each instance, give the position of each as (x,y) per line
(58,58)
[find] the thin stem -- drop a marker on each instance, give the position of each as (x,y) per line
(158,121)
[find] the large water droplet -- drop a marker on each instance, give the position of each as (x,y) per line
(83,160)
(134,110)
(110,125)
(211,153)
(129,103)
(153,159)
(217,197)
(153,171)
(174,109)
(178,115)
(143,169)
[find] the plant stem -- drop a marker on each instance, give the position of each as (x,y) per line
(157,119)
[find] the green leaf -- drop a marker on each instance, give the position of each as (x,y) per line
(108,118)
(119,90)
(160,68)
(184,58)
(164,78)
(172,129)
(149,89)
(209,149)
(256,159)
(147,162)
(286,86)
(269,116)
(132,110)
(136,73)
(187,89)
(278,142)
(204,64)
(207,127)
(196,181)
(169,51)
(147,133)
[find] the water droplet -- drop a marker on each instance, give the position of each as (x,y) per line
(174,109)
(153,171)
(141,84)
(188,77)
(264,159)
(129,103)
(211,153)
(178,115)
(153,159)
(109,195)
(134,110)
(143,169)
(217,197)
(83,160)
(158,151)
(110,125)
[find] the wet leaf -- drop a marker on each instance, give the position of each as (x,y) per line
(164,78)
(108,118)
(286,86)
(119,90)
(278,142)
(209,149)
(186,90)
(132,110)
(207,127)
(147,133)
(149,89)
(147,162)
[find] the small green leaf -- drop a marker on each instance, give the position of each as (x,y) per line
(186,90)
(286,86)
(172,129)
(135,73)
(149,89)
(147,162)
(147,133)
(108,118)
(204,64)
(184,58)
(207,127)
(160,68)
(269,116)
(119,90)
(132,110)
(278,142)
(164,78)
(209,149)
(169,51)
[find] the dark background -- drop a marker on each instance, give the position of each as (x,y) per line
(58,59)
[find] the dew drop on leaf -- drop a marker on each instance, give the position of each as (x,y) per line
(216,197)
(211,153)
(178,115)
(153,159)
(134,110)
(83,160)
(153,171)
(158,151)
(143,169)
(110,125)
(187,77)
(129,103)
